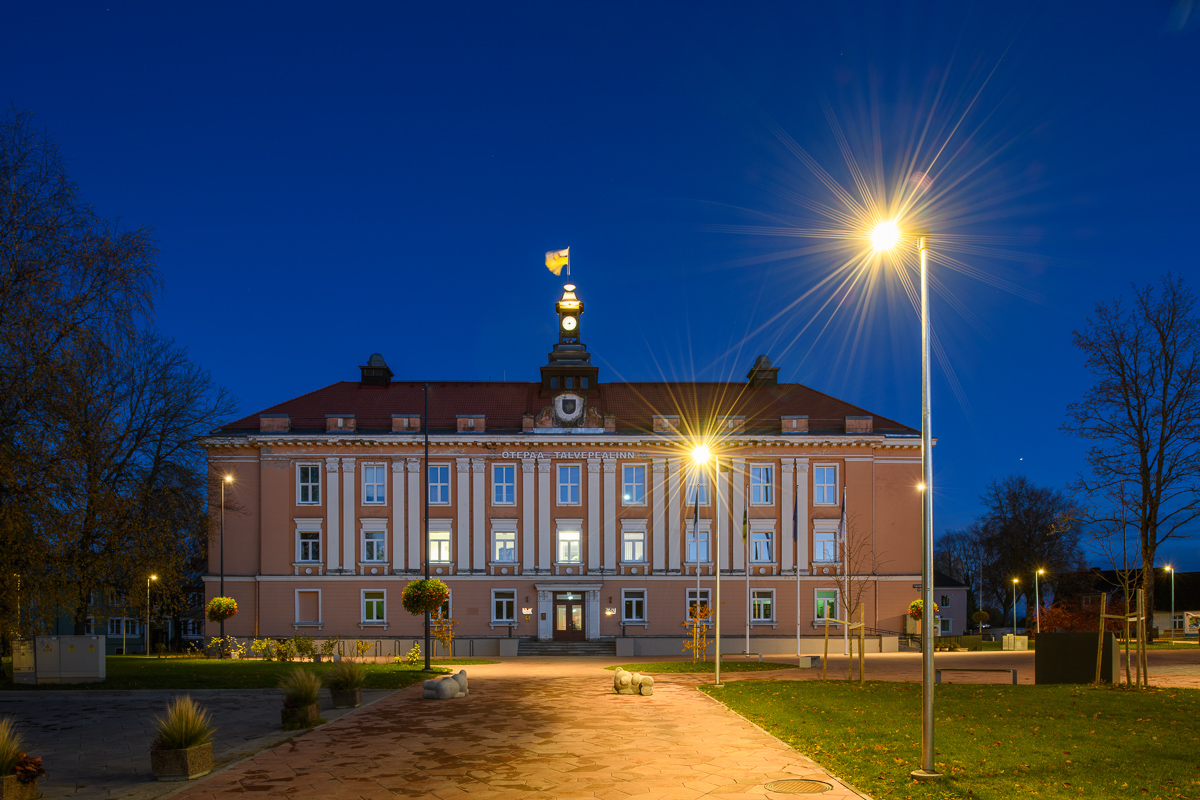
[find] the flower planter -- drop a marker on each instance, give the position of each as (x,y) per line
(13,789)
(346,698)
(300,717)
(182,765)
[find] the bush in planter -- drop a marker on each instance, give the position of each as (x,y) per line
(220,609)
(344,680)
(182,748)
(301,689)
(18,772)
(424,596)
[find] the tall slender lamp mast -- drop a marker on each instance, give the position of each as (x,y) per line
(1171,570)
(1037,602)
(425,483)
(148,579)
(225,480)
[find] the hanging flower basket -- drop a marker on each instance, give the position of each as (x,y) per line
(220,609)
(915,609)
(425,596)
(980,616)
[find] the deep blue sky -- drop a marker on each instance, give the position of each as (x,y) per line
(330,180)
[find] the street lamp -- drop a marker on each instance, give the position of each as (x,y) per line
(885,236)
(1015,611)
(700,456)
(151,578)
(1037,603)
(226,480)
(1171,570)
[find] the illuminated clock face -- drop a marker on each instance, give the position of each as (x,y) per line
(569,323)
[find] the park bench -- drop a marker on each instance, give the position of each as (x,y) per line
(938,672)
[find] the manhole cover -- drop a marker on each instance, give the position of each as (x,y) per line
(798,787)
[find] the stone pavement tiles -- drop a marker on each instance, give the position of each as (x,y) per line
(528,730)
(96,744)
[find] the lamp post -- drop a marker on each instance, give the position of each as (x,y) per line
(1171,570)
(1037,603)
(884,237)
(700,456)
(148,579)
(224,481)
(1015,610)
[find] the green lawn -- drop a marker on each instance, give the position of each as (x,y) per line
(702,667)
(139,672)
(993,742)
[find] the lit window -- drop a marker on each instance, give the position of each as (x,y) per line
(762,605)
(568,486)
(504,546)
(633,490)
(310,484)
(504,485)
(504,604)
(374,546)
(570,550)
(692,545)
(760,546)
(373,607)
(633,603)
(633,546)
(439,484)
(309,546)
(697,481)
(693,595)
(374,484)
(826,605)
(439,546)
(825,486)
(762,485)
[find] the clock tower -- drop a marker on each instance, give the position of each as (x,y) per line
(570,364)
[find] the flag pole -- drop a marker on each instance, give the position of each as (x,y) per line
(845,577)
(746,557)
(426,483)
(796,555)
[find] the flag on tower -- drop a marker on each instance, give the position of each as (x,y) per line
(557,259)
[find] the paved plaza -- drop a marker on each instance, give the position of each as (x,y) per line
(531,728)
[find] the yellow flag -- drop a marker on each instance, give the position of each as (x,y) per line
(557,259)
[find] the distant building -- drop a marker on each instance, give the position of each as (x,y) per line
(951,597)
(1086,589)
(563,508)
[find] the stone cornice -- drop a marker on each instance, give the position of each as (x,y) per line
(674,443)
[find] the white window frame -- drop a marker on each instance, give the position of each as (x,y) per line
(756,598)
(509,528)
(568,485)
(577,531)
(633,531)
(380,485)
(510,599)
(497,485)
(945,626)
(697,477)
(705,537)
(945,601)
(766,491)
(373,526)
(300,467)
(825,530)
(690,597)
(631,486)
(448,550)
(296,616)
(760,532)
(442,487)
(363,606)
(628,595)
(832,595)
(309,526)
(115,630)
(819,489)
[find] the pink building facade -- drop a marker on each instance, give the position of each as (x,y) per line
(568,509)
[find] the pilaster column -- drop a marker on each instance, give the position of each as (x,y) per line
(738,507)
(349,505)
(610,514)
(416,524)
(659,559)
(545,549)
(802,552)
(462,515)
(675,497)
(478,535)
(593,533)
(528,512)
(787,488)
(396,499)
(333,542)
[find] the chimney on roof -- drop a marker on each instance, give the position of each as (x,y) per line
(376,372)
(762,373)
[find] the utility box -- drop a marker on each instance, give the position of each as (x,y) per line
(24,664)
(69,659)
(1071,658)
(1014,642)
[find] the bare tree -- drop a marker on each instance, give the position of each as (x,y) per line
(1143,413)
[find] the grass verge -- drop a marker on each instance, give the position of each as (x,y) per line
(138,672)
(701,667)
(993,742)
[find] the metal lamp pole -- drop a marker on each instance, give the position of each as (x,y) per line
(426,482)
(1037,602)
(1171,570)
(150,578)
(717,519)
(227,479)
(1015,611)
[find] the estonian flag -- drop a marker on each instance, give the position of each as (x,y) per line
(795,512)
(842,524)
(557,259)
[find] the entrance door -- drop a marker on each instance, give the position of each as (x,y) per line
(568,617)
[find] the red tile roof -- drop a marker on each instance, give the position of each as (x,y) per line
(634,404)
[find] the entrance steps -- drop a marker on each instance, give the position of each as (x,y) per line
(529,647)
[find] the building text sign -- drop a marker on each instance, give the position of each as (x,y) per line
(570,454)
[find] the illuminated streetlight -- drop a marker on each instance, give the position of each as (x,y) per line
(1037,603)
(885,236)
(1171,570)
(700,457)
(1015,612)
(226,480)
(151,578)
